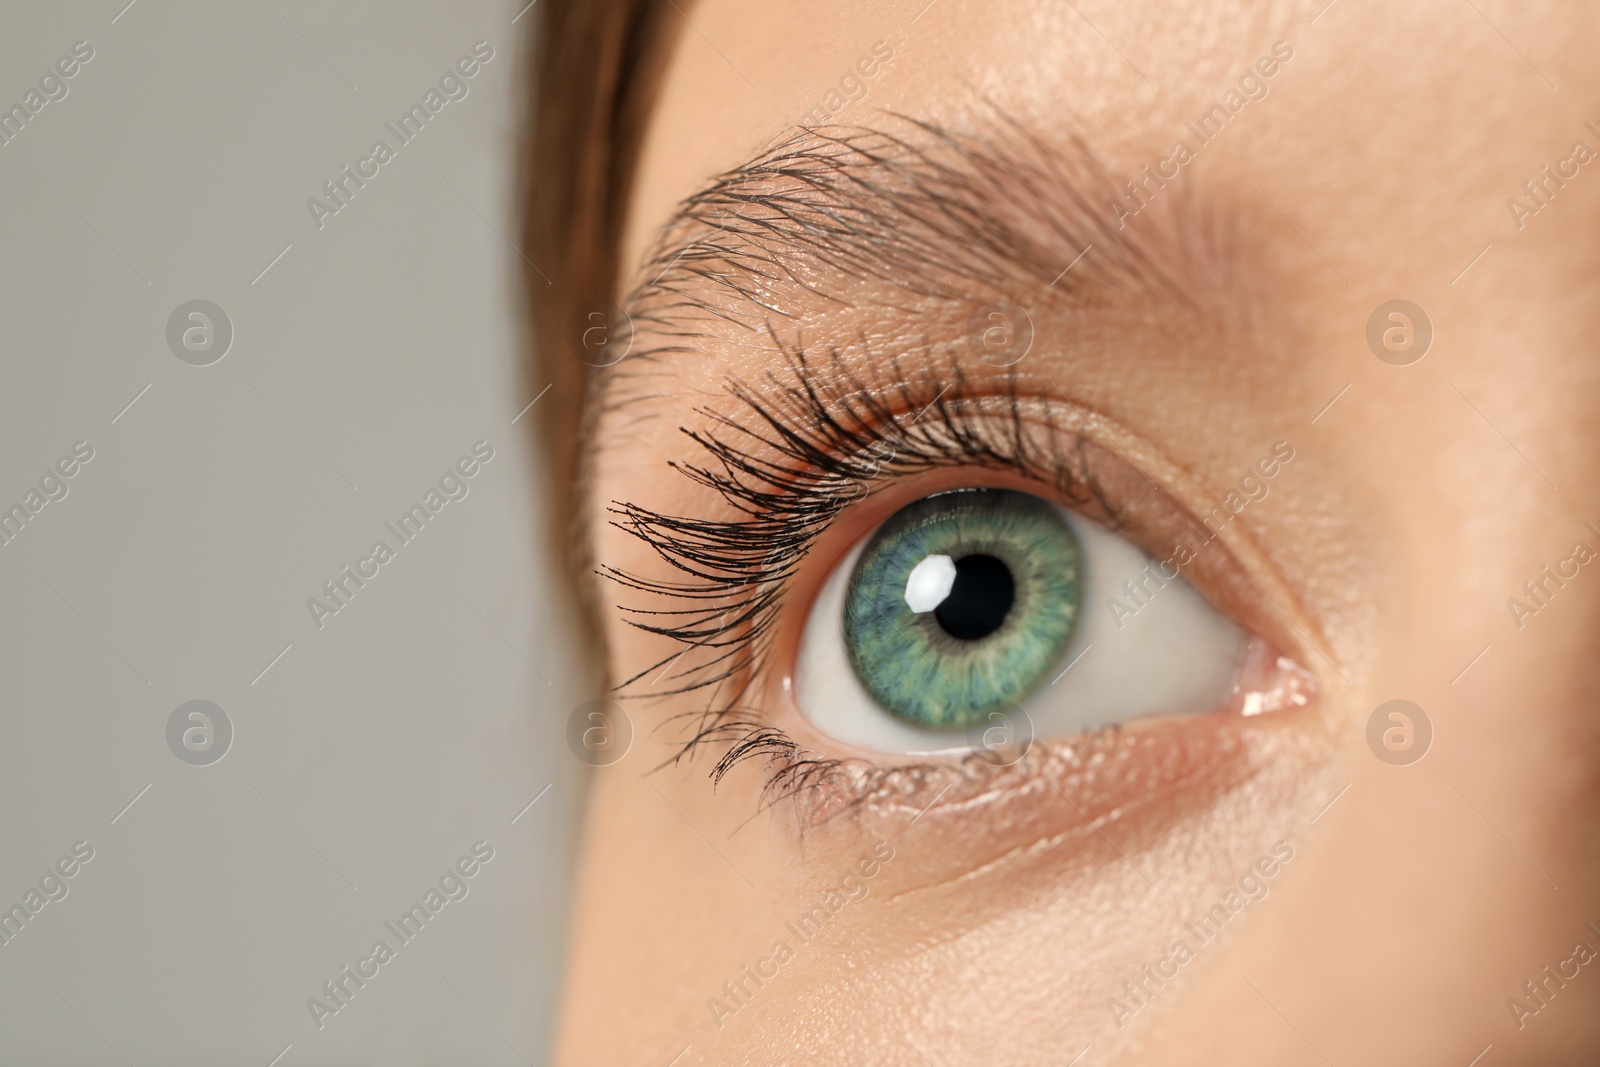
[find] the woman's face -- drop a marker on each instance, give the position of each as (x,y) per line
(1263,339)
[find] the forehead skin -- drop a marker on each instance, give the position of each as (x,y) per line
(1378,166)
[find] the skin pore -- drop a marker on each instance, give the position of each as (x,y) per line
(1176,340)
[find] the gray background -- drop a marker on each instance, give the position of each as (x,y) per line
(429,712)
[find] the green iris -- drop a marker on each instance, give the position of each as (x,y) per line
(961,604)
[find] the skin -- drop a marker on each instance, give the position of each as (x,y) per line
(1010,917)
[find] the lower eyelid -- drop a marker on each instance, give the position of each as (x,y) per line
(1057,806)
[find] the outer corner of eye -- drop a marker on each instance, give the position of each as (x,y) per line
(974,603)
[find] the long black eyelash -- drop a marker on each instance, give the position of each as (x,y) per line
(817,439)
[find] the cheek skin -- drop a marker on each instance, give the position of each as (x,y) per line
(1044,925)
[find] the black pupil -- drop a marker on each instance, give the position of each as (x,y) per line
(980,599)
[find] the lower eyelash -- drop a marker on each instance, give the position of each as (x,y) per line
(816,443)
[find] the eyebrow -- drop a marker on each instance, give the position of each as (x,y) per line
(922,213)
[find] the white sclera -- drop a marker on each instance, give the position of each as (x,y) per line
(1174,654)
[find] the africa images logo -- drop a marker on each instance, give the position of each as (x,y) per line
(453,85)
(454,485)
(454,884)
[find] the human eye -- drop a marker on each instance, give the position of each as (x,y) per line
(982,619)
(937,575)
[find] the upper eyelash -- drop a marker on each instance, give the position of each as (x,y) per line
(817,443)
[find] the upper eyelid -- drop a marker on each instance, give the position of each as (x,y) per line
(1198,498)
(1270,607)
(691,545)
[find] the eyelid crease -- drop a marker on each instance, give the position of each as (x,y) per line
(1192,494)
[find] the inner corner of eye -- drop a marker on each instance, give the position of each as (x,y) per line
(974,606)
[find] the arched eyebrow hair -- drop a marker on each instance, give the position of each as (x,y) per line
(918,212)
